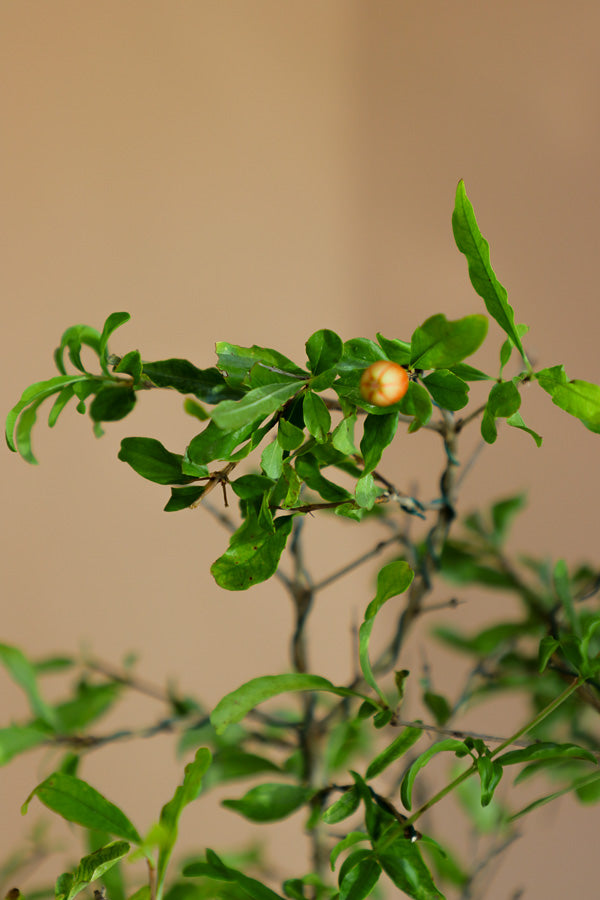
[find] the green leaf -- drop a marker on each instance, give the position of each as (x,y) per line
(324,349)
(183,498)
(17,739)
(342,436)
(402,862)
(545,751)
(448,390)
(503,514)
(416,402)
(112,403)
(396,350)
(23,673)
(234,706)
(131,364)
(358,354)
(150,459)
(271,460)
(76,801)
(208,385)
(252,556)
(289,435)
(90,868)
(503,400)
(216,868)
(469,373)
(366,491)
(450,744)
(213,443)
(73,339)
(343,807)
(25,424)
(352,838)
(578,398)
(439,343)
(171,811)
(392,580)
(114,321)
(254,406)
(59,404)
(270,802)
(359,882)
(307,467)
(316,416)
(562,586)
(548,646)
(516,421)
(490,774)
(508,346)
(399,746)
(89,702)
(378,433)
(439,706)
(236,362)
(35,393)
(471,242)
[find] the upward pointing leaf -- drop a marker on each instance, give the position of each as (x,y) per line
(114,321)
(24,674)
(171,811)
(471,242)
(440,343)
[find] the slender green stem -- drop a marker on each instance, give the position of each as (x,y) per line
(473,768)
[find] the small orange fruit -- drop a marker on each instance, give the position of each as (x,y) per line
(384,383)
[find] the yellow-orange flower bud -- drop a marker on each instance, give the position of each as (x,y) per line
(384,383)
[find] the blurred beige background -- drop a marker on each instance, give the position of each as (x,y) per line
(253,171)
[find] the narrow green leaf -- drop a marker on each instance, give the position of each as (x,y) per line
(270,802)
(183,498)
(59,404)
(392,579)
(35,393)
(73,339)
(562,586)
(316,416)
(171,811)
(342,436)
(23,673)
(150,459)
(213,443)
(450,744)
(490,774)
(114,321)
(307,467)
(439,706)
(215,868)
(76,801)
(208,385)
(324,349)
(416,402)
(578,398)
(257,404)
(343,807)
(548,646)
(544,751)
(399,746)
(252,556)
(440,343)
(471,242)
(234,706)
(90,868)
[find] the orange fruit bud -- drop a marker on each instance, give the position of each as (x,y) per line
(384,383)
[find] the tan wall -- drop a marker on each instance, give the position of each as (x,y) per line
(252,172)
